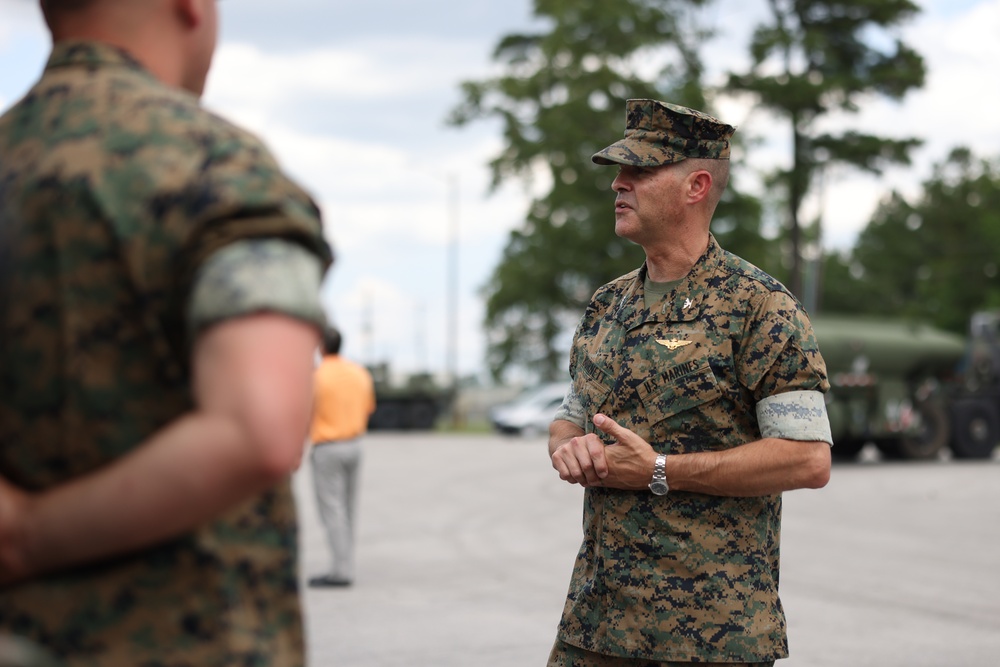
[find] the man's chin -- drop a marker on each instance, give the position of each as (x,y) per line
(625,230)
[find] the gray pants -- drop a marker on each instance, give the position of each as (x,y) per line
(335,477)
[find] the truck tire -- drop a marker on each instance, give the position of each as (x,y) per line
(846,449)
(976,428)
(926,442)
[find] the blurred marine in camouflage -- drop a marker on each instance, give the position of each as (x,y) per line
(159,314)
(696,399)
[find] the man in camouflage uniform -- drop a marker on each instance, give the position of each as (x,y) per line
(159,317)
(696,399)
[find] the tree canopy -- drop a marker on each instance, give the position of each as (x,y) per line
(936,259)
(818,57)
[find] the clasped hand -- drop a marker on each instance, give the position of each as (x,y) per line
(587,461)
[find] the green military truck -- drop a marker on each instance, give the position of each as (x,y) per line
(412,404)
(911,389)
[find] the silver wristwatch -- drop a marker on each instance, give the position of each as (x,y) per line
(659,483)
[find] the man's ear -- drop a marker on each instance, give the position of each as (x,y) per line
(191,12)
(699,185)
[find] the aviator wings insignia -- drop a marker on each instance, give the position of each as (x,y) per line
(673,343)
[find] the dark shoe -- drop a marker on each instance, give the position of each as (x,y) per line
(328,581)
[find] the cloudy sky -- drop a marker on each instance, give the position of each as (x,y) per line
(352,97)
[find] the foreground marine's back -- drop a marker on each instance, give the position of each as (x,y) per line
(90,359)
(113,190)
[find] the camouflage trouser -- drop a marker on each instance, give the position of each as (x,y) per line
(567,655)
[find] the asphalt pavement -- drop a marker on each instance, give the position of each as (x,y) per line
(466,543)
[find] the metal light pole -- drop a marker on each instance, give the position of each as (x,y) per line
(452,278)
(451,353)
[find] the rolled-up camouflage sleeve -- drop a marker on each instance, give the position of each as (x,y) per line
(256,275)
(795,415)
(571,409)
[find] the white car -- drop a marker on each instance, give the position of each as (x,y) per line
(531,412)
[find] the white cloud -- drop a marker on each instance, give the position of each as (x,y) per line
(20,19)
(374,178)
(242,71)
(370,69)
(359,225)
(370,189)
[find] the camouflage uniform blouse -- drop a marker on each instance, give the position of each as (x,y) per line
(685,576)
(114,189)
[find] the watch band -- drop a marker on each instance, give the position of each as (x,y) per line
(658,485)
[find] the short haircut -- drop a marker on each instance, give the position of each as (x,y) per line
(332,340)
(719,169)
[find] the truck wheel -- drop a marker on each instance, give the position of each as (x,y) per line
(846,449)
(976,428)
(925,442)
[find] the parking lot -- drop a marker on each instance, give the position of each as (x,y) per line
(466,543)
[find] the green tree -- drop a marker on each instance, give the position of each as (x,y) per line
(561,99)
(936,260)
(816,57)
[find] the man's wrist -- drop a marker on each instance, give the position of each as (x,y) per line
(658,480)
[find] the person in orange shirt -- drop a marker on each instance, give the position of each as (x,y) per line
(344,399)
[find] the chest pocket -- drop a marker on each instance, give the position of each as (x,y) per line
(670,393)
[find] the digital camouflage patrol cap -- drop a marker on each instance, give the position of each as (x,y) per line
(658,133)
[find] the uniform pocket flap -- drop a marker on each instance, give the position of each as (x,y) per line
(677,390)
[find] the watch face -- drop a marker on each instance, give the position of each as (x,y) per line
(659,488)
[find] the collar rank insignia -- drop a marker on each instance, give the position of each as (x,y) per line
(673,343)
